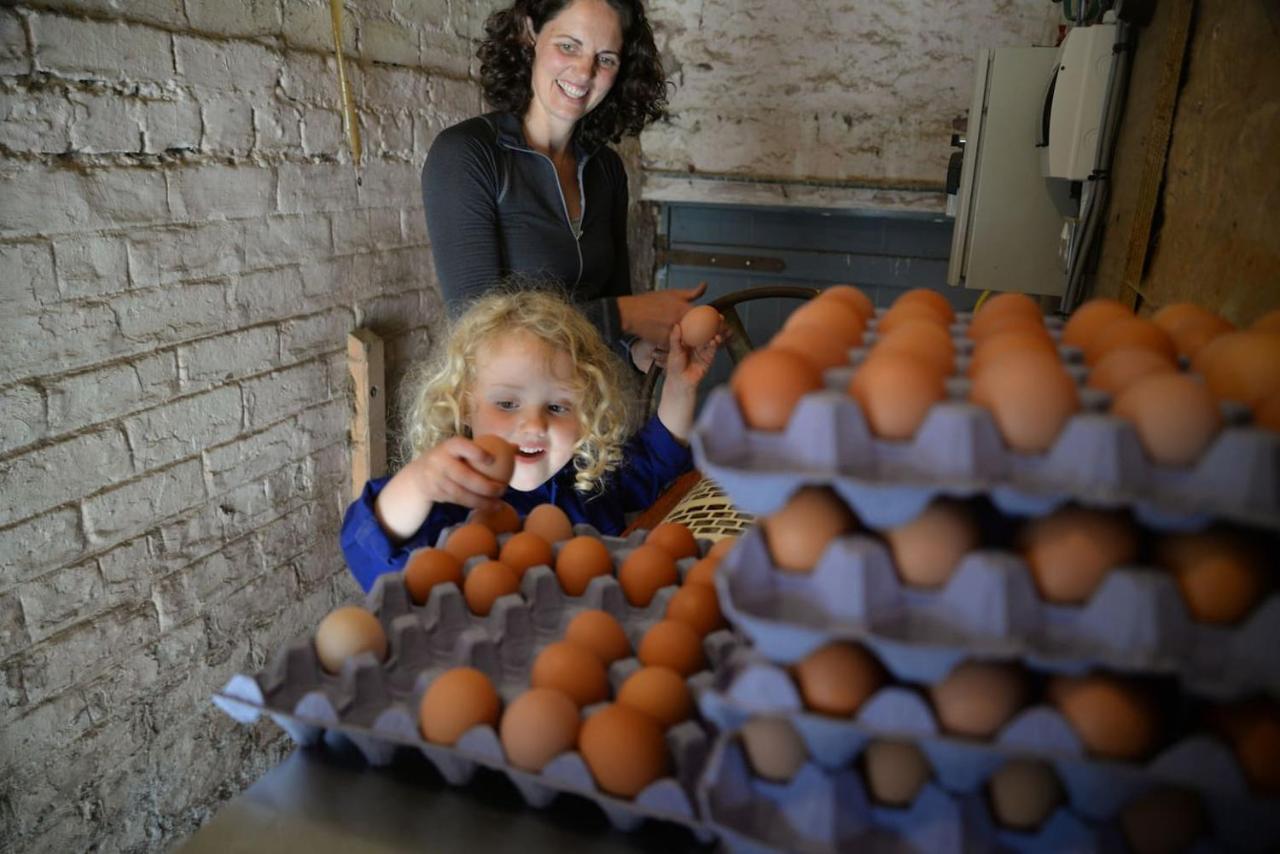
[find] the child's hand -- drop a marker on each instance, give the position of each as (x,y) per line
(686,367)
(444,473)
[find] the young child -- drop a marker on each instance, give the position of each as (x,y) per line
(526,366)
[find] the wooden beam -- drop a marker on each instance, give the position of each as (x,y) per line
(369,424)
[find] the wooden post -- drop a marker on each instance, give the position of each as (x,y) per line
(369,426)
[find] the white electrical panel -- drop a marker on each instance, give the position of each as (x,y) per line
(1076,104)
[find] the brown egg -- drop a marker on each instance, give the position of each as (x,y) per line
(895,771)
(1266,415)
(1120,369)
(851,295)
(922,339)
(672,644)
(1269,322)
(991,325)
(1005,312)
(1194,339)
(524,550)
(674,538)
(549,522)
(1190,326)
(600,632)
(1012,302)
(456,701)
(800,532)
(427,568)
(769,383)
(697,605)
(895,392)
(979,697)
(660,693)
(644,572)
(486,583)
(699,325)
(470,540)
(1113,719)
(539,726)
(502,519)
(1023,793)
(836,318)
(1128,333)
(774,749)
(927,549)
(703,572)
(580,560)
(346,632)
(504,458)
(1031,400)
(1253,729)
(929,297)
(1163,821)
(720,548)
(912,312)
(1087,320)
(837,678)
(1220,574)
(1241,366)
(1010,344)
(574,670)
(812,344)
(1071,550)
(1174,415)
(625,750)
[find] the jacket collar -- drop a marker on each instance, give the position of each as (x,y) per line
(510,132)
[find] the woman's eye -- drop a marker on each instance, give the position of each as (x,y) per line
(568,47)
(609,61)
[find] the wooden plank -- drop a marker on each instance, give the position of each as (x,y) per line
(369,420)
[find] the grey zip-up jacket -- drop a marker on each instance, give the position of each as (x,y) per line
(494,206)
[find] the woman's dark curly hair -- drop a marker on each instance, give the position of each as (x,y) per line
(639,93)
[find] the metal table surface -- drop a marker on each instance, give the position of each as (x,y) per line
(323,800)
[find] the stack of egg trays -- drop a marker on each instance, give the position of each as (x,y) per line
(826,809)
(375,705)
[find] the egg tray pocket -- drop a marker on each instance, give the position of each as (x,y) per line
(1096,789)
(375,705)
(1136,621)
(958,451)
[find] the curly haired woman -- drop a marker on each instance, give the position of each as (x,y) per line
(534,187)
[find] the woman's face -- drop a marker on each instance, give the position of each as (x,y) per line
(522,391)
(576,58)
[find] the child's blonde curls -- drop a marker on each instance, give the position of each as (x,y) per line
(605,406)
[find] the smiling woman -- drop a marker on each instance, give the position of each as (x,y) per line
(534,187)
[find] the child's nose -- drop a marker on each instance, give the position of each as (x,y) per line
(534,421)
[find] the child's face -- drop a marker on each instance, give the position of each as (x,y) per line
(522,392)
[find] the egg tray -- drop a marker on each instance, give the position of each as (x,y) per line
(1097,460)
(375,705)
(823,811)
(1135,622)
(1096,789)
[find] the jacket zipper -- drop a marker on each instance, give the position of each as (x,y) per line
(564,203)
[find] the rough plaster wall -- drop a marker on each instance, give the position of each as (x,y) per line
(182,252)
(854,92)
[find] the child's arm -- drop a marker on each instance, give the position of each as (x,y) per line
(686,366)
(445,474)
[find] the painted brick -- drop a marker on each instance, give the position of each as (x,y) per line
(73,656)
(331,422)
(453,100)
(317,567)
(41,480)
(52,602)
(366,230)
(173,125)
(387,41)
(277,131)
(34,546)
(183,428)
(253,456)
(311,79)
(316,187)
(319,333)
(108,51)
(15,59)
(213,361)
(131,509)
(22,417)
(277,396)
(63,337)
(447,53)
(14,633)
(391,184)
(394,136)
(91,397)
(413,228)
(27,272)
(277,241)
(104,123)
(390,88)
(90,265)
(127,571)
(290,535)
(160,316)
(193,535)
(12,693)
(277,294)
(228,126)
(35,121)
(164,256)
(221,192)
(322,132)
(228,66)
(307,25)
(53,200)
(242,18)
(166,12)
(193,590)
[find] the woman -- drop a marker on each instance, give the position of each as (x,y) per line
(533,187)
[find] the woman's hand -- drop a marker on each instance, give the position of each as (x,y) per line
(686,368)
(651,315)
(444,473)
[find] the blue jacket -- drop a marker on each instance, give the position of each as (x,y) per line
(651,460)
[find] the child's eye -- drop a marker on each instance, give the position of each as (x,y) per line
(505,404)
(559,409)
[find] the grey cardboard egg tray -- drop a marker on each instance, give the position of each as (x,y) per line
(375,705)
(1097,460)
(1096,789)
(1136,621)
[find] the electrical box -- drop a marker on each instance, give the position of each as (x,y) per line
(1075,104)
